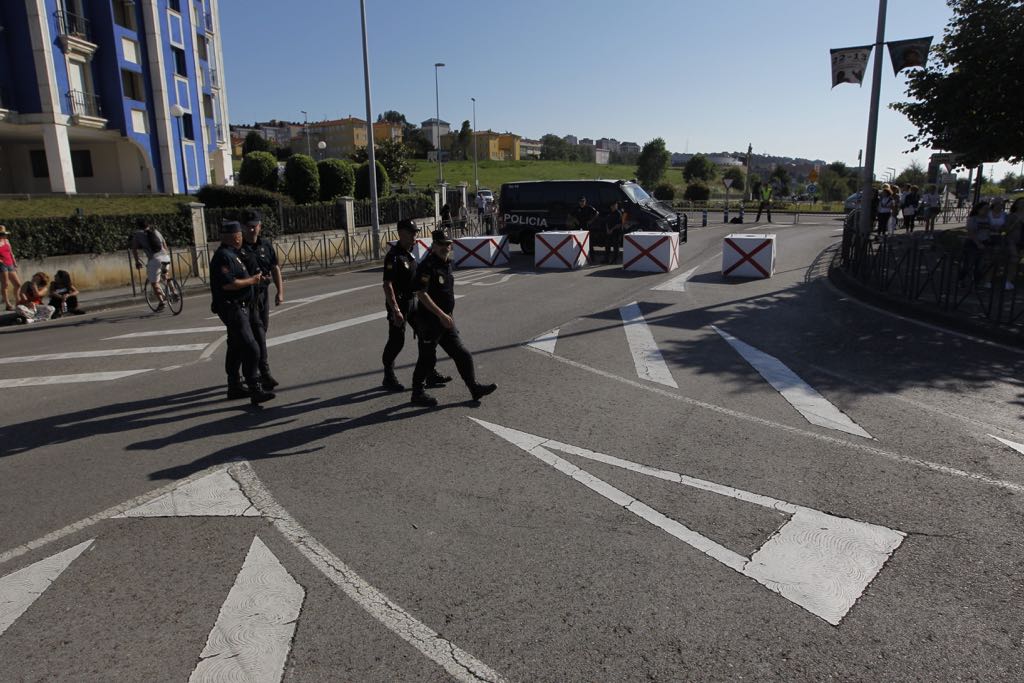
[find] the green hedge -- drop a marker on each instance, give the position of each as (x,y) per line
(337,179)
(238,196)
(259,169)
(38,238)
(363,181)
(302,179)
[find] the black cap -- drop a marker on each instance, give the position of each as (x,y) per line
(441,237)
(406,224)
(251,217)
(230,227)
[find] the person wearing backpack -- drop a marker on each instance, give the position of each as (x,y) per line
(149,240)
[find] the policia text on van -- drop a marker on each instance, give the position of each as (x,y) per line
(545,205)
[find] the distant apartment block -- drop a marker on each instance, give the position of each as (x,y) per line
(89,90)
(529,149)
(610,144)
(629,148)
(586,141)
(571,139)
(342,136)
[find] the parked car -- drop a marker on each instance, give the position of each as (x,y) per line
(852,202)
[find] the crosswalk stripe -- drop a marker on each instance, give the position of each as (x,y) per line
(647,358)
(68,379)
(815,408)
(252,636)
(181,348)
(162,333)
(20,589)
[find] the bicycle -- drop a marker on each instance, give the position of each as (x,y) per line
(173,297)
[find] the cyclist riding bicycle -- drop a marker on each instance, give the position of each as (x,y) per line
(158,258)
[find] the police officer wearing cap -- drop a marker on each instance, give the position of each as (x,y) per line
(435,292)
(260,257)
(233,301)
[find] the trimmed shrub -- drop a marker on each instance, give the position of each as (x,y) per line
(38,238)
(301,179)
(259,169)
(665,191)
(238,196)
(697,192)
(363,181)
(337,179)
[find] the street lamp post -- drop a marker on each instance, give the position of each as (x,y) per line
(321,146)
(476,176)
(372,157)
(437,126)
(305,127)
(178,112)
(869,147)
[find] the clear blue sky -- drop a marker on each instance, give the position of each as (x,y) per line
(705,75)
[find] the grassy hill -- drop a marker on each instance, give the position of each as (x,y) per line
(494,173)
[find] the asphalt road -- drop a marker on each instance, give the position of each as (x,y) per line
(543,534)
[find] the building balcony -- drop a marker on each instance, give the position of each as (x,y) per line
(86,110)
(74,33)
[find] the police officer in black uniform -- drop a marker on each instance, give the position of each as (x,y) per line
(260,257)
(400,303)
(585,214)
(232,288)
(435,293)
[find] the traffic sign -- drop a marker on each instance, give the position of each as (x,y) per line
(812,188)
(727,182)
(813,175)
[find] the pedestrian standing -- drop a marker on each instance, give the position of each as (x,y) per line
(767,194)
(911,201)
(930,207)
(231,286)
(400,303)
(886,205)
(435,294)
(614,226)
(261,257)
(584,214)
(8,269)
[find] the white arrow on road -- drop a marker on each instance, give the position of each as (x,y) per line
(19,590)
(647,358)
(1019,447)
(545,342)
(215,495)
(678,283)
(818,561)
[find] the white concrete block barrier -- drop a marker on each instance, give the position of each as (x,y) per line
(481,252)
(748,255)
(566,250)
(420,248)
(650,252)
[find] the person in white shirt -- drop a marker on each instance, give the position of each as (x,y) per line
(930,207)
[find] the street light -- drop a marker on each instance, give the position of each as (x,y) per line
(178,112)
(476,177)
(321,146)
(374,206)
(437,128)
(305,127)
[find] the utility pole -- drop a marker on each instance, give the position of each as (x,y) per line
(305,127)
(876,90)
(750,192)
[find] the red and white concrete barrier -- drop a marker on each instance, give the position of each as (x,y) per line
(650,252)
(480,252)
(420,248)
(567,250)
(751,256)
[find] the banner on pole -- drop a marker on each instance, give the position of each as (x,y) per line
(907,54)
(849,64)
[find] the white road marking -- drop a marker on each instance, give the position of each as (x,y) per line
(503,280)
(676,284)
(818,561)
(808,402)
(1019,447)
(299,303)
(99,517)
(162,333)
(20,589)
(253,634)
(545,342)
(215,495)
(103,354)
(68,379)
(824,438)
(646,356)
(457,662)
(212,347)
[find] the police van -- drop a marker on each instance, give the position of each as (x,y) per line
(526,208)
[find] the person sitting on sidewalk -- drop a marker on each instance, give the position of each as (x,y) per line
(30,300)
(64,295)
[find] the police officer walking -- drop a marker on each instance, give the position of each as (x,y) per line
(435,293)
(260,257)
(400,303)
(233,301)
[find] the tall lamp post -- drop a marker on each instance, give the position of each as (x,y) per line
(437,127)
(178,112)
(476,176)
(372,158)
(305,127)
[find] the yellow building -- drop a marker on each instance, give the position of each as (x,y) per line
(385,130)
(508,146)
(342,136)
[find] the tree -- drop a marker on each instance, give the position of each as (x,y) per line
(1011,182)
(913,174)
(665,192)
(337,179)
(302,179)
(699,167)
(254,142)
(780,179)
(834,186)
(392,116)
(461,142)
(259,169)
(418,143)
(553,148)
(363,181)
(652,163)
(697,191)
(737,176)
(394,157)
(968,98)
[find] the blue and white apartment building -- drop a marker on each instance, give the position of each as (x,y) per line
(111,96)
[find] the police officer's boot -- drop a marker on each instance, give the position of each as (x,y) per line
(436,379)
(391,382)
(422,398)
(480,390)
(258,395)
(236,390)
(267,380)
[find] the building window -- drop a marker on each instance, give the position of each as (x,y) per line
(81,163)
(40,169)
(139,122)
(179,61)
(124,14)
(201,45)
(208,106)
(131,50)
(175,5)
(131,82)
(188,131)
